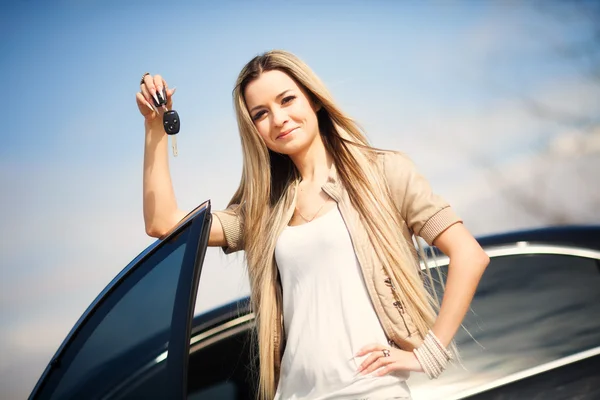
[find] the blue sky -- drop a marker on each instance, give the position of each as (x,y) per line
(438,80)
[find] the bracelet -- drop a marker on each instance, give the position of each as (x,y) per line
(432,356)
(440,354)
(423,364)
(440,345)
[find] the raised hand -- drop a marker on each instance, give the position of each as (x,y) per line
(153,90)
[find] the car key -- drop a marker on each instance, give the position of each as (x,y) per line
(171,122)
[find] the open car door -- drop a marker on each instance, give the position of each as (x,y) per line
(133,340)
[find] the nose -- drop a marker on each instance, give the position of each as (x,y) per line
(280,117)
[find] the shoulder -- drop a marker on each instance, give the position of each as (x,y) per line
(396,167)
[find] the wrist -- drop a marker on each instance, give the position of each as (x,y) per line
(152,123)
(414,364)
(154,127)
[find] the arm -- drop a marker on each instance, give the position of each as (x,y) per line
(429,216)
(161,213)
(160,206)
(467,264)
(226,230)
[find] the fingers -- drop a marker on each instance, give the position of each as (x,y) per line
(143,102)
(148,95)
(154,91)
(373,362)
(387,369)
(160,86)
(149,89)
(377,363)
(169,94)
(369,348)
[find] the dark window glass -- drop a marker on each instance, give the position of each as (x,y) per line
(528,310)
(218,391)
(221,368)
(126,334)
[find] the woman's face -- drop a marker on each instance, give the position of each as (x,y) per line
(282,113)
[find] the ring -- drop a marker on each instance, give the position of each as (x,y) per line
(386,352)
(143,76)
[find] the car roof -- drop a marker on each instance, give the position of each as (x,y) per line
(585,236)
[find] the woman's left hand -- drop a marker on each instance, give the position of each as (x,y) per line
(388,359)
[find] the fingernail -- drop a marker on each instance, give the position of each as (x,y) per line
(160,96)
(156,102)
(149,106)
(174,89)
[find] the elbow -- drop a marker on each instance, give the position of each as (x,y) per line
(158,228)
(154,232)
(475,260)
(482,260)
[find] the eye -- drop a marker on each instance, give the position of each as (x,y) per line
(258,115)
(287,99)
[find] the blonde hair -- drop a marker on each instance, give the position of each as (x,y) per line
(264,198)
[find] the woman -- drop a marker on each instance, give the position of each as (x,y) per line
(326,223)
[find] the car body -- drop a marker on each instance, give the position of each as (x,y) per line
(533,330)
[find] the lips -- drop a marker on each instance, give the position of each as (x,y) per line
(285,133)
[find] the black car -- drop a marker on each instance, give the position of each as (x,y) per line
(533,331)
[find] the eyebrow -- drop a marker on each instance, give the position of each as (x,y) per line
(276,97)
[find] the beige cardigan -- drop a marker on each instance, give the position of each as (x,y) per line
(424,214)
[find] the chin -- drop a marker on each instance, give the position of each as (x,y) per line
(294,146)
(288,151)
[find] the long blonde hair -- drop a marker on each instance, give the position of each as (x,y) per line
(265,200)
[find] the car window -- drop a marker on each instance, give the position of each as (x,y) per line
(528,310)
(220,366)
(128,330)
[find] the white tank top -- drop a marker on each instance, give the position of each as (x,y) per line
(328,316)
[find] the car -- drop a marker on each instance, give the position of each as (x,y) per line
(533,329)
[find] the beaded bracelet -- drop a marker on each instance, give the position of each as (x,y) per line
(432,356)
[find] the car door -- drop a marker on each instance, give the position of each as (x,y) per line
(532,331)
(133,341)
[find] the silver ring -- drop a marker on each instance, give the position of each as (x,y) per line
(386,352)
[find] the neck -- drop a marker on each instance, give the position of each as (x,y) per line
(314,162)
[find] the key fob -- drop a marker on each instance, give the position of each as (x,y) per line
(171,122)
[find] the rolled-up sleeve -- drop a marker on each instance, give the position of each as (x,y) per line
(231,222)
(426,213)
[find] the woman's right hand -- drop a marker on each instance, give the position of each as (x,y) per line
(149,88)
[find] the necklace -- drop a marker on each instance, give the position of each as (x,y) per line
(314,216)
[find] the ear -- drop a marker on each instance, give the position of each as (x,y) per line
(317,106)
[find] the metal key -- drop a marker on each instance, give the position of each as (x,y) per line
(170,118)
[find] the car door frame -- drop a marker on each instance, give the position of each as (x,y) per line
(198,221)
